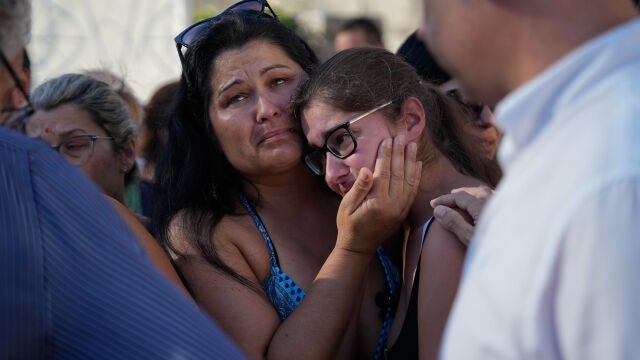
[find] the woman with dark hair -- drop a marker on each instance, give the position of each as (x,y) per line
(153,131)
(351,104)
(250,229)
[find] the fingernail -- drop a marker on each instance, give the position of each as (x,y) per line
(413,147)
(387,142)
(438,212)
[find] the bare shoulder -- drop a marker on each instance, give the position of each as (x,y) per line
(240,308)
(441,249)
(440,269)
(181,235)
(235,241)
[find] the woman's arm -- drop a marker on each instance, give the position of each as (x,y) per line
(440,269)
(247,315)
(374,208)
(244,313)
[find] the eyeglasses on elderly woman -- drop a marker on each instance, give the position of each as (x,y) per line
(78,150)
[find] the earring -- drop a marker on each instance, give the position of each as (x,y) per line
(124,168)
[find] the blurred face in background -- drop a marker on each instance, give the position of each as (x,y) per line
(467,37)
(481,122)
(347,39)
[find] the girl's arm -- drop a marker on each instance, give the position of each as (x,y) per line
(440,269)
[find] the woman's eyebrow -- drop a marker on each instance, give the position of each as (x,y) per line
(274,66)
(228,86)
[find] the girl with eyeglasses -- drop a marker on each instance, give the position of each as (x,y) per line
(351,104)
(250,228)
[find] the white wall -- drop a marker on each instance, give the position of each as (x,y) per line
(399,18)
(133,38)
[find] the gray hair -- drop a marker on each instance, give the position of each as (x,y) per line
(120,86)
(106,107)
(15,26)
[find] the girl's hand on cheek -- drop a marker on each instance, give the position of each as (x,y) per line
(378,203)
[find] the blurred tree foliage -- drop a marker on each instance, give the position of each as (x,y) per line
(205,13)
(321,45)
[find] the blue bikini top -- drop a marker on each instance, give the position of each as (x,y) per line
(286,295)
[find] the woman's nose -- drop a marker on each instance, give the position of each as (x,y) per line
(267,108)
(334,171)
(485,119)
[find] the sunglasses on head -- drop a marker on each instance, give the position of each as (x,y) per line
(17,117)
(248,8)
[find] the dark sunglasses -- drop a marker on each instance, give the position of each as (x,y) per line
(248,8)
(18,117)
(473,109)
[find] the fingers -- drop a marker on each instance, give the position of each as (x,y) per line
(358,192)
(382,172)
(377,204)
(471,200)
(445,200)
(413,168)
(455,223)
(397,170)
(477,191)
(396,185)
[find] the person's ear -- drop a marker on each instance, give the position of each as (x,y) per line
(413,118)
(128,155)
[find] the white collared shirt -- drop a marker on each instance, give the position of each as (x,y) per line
(553,272)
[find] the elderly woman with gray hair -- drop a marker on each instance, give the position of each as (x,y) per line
(87,122)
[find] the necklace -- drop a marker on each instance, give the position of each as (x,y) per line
(388,301)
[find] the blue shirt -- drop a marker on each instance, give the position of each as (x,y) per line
(75,283)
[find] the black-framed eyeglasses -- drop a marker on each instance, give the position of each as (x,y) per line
(17,118)
(249,8)
(473,109)
(78,150)
(340,142)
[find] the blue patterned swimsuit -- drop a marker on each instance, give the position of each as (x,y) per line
(283,292)
(285,295)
